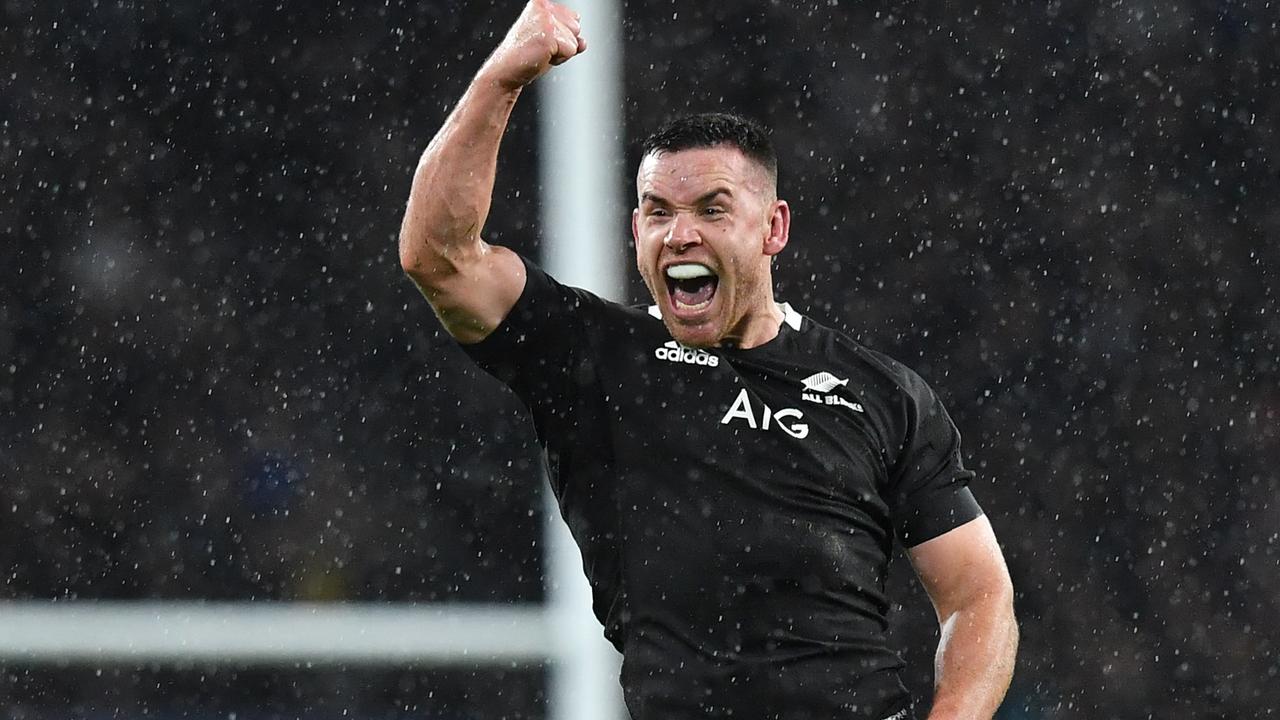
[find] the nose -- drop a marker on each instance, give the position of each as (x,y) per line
(682,234)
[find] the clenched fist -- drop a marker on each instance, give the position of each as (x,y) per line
(545,34)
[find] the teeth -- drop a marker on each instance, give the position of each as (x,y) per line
(689,271)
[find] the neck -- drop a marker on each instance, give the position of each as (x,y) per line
(756,329)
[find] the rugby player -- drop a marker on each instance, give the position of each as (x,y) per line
(734,473)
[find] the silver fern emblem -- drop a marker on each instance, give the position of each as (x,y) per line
(823,382)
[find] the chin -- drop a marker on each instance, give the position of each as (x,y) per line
(698,336)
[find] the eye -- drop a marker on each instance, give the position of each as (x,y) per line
(713,211)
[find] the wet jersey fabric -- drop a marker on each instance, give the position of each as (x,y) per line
(735,508)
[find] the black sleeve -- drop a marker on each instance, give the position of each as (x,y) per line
(929,487)
(544,350)
(547,350)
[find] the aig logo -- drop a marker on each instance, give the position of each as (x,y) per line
(672,351)
(786,420)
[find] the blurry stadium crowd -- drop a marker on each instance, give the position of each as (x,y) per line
(214,382)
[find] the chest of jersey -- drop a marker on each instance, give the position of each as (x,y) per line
(772,465)
(753,417)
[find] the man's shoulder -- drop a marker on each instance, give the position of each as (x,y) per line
(544,294)
(852,355)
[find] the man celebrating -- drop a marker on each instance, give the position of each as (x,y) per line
(733,472)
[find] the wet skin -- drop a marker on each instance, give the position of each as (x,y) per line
(711,208)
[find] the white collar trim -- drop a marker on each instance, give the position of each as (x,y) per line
(790,316)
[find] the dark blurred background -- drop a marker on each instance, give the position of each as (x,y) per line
(216,383)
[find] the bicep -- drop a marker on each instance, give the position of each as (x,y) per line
(473,295)
(962,566)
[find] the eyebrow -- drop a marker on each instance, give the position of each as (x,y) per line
(703,199)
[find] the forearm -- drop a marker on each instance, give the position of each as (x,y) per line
(975,659)
(453,184)
(470,285)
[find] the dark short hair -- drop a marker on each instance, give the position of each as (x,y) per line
(704,130)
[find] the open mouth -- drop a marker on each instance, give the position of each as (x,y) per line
(692,286)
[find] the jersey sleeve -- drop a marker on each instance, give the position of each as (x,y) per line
(929,484)
(548,351)
(543,350)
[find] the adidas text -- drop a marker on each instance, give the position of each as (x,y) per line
(671,351)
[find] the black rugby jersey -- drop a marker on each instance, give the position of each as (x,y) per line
(735,509)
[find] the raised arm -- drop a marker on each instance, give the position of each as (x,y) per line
(470,284)
(965,575)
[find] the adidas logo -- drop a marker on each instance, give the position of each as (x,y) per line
(672,351)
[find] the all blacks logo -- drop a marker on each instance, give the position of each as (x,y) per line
(672,351)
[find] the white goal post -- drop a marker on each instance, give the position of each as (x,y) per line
(274,633)
(580,107)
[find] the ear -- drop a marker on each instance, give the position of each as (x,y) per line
(779,228)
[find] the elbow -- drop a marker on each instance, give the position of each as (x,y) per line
(419,257)
(991,601)
(1000,598)
(1007,616)
(1002,588)
(411,261)
(437,250)
(431,262)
